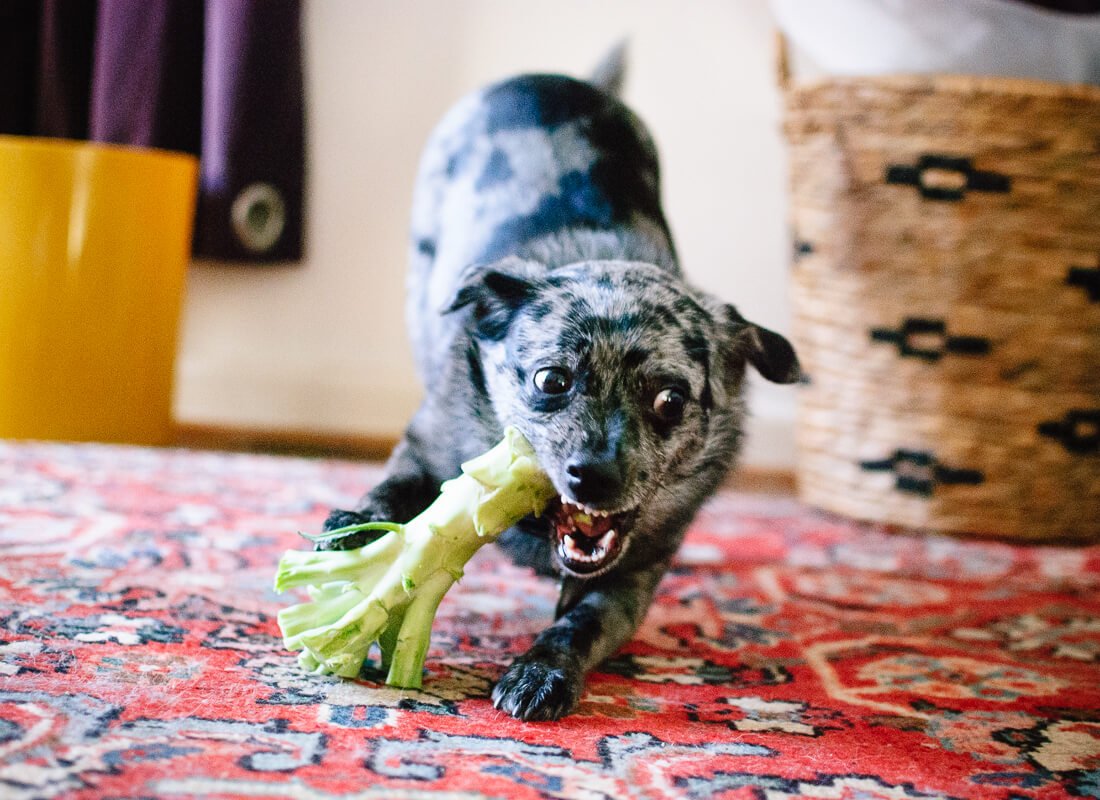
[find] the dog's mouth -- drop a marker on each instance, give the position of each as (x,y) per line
(589,540)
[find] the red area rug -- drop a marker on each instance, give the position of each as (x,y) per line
(789,655)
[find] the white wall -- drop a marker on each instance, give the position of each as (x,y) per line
(321,344)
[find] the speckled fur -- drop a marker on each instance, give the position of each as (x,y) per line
(538,240)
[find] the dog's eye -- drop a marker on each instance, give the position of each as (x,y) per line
(669,404)
(553,380)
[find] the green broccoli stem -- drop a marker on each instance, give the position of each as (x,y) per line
(389,590)
(406,664)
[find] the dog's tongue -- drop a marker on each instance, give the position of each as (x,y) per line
(577,520)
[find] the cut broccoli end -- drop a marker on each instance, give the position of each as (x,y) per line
(309,663)
(353,633)
(348,664)
(365,564)
(331,604)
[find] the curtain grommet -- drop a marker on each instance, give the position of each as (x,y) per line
(259,217)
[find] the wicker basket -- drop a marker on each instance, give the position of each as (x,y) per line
(947,302)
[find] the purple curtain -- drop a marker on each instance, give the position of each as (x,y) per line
(221,79)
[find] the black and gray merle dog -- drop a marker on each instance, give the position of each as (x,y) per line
(545,294)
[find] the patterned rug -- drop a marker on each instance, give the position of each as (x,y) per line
(790,654)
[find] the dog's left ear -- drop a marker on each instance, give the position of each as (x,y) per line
(496,292)
(770,353)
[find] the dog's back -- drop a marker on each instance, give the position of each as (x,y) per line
(541,166)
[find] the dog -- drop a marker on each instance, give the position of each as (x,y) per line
(544,292)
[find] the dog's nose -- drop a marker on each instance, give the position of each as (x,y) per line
(593,480)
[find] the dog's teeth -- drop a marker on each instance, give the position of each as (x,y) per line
(573,551)
(576,554)
(599,550)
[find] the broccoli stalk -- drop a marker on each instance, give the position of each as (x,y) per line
(388,591)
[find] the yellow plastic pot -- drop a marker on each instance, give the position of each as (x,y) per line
(94,246)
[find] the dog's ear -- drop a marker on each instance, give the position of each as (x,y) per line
(496,292)
(770,353)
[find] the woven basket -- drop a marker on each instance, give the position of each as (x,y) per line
(946,277)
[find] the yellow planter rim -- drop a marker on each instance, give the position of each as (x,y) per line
(45,144)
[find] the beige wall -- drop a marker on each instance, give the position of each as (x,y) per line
(321,345)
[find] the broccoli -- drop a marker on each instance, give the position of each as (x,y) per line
(388,591)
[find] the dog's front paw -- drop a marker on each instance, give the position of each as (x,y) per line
(537,689)
(339,518)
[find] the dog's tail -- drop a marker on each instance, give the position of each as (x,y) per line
(610,72)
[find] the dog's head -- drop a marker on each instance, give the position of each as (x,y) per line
(627,382)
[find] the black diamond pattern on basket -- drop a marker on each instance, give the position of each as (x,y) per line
(1087,278)
(919,337)
(948,178)
(1078,431)
(919,472)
